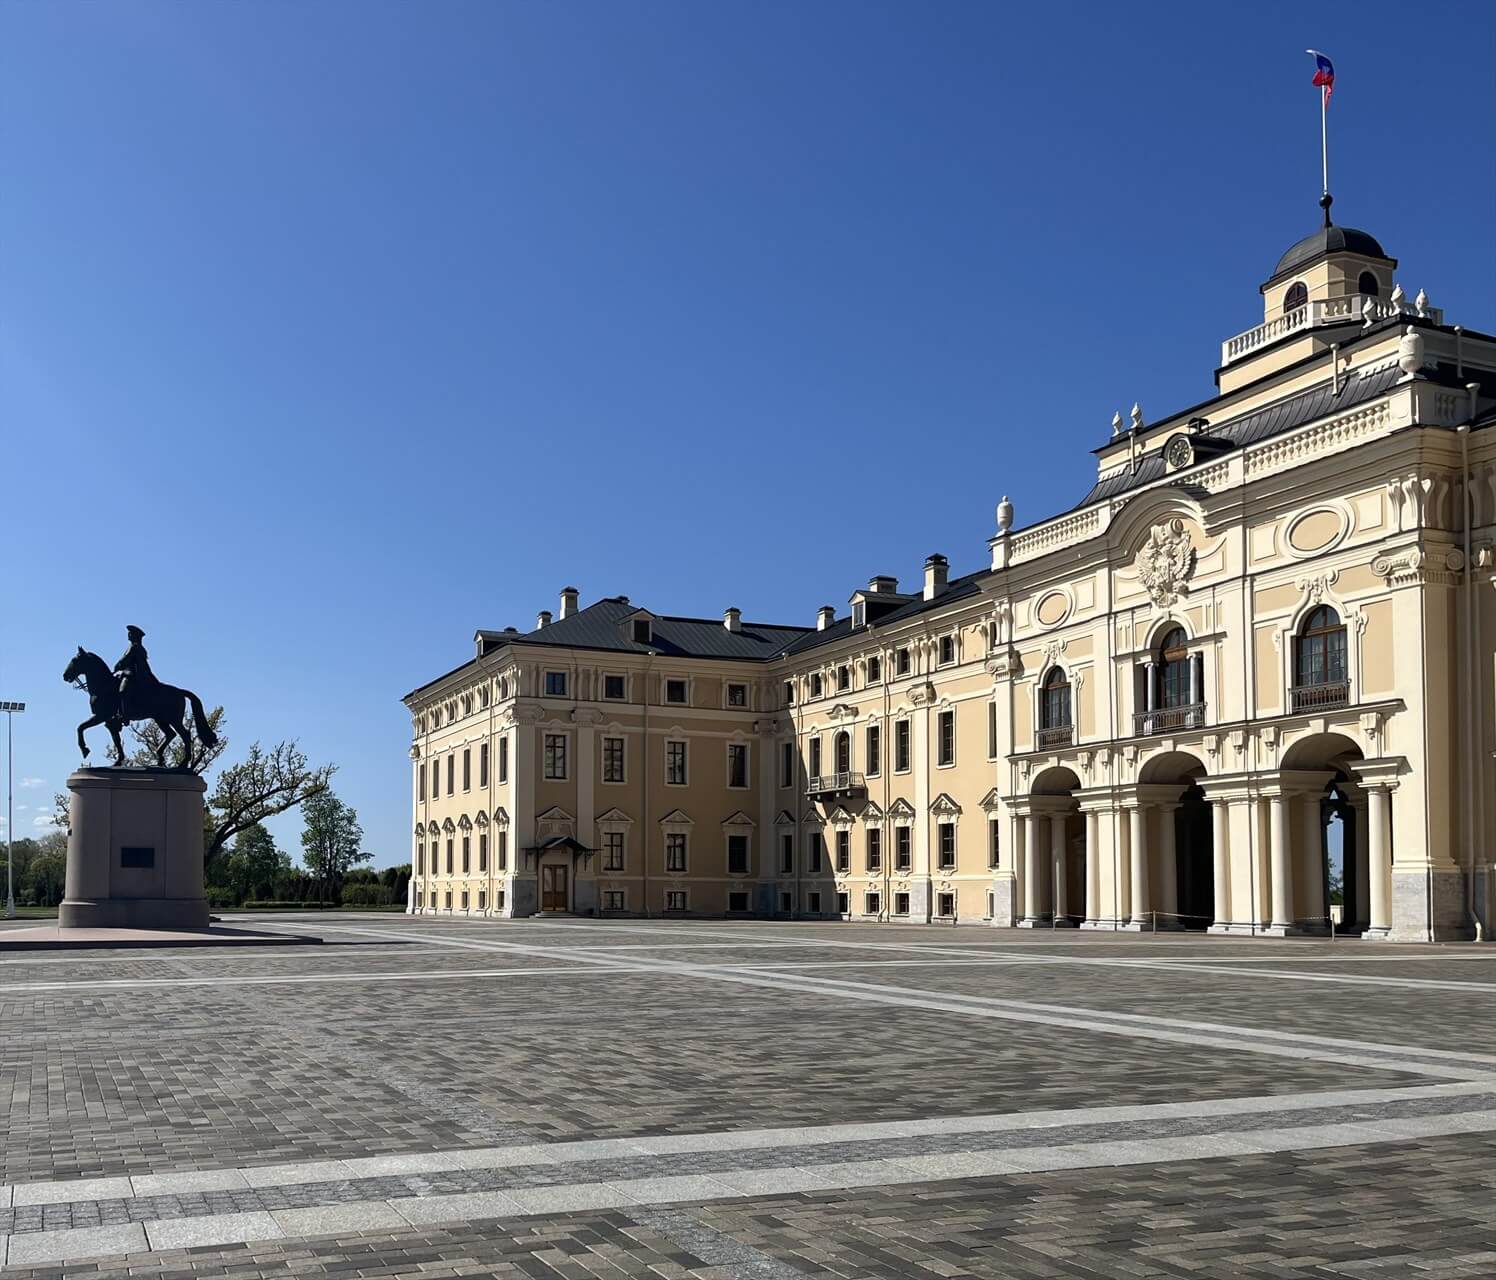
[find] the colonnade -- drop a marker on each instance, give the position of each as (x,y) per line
(1266,862)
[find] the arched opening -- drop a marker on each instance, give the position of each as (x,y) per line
(1367,285)
(1319,662)
(1327,843)
(843,752)
(1055,866)
(1055,726)
(1180,841)
(1296,297)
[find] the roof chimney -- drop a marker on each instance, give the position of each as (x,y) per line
(936,569)
(568,601)
(542,619)
(883,585)
(732,619)
(825,616)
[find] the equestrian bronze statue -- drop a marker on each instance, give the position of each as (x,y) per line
(131,692)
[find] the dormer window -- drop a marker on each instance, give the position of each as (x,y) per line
(1367,285)
(859,614)
(1296,297)
(643,631)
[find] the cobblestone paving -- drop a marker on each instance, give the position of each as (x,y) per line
(408,1036)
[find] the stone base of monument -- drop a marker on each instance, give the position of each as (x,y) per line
(135,851)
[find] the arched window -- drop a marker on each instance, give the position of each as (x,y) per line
(1296,297)
(1319,659)
(843,752)
(1055,706)
(1367,284)
(1174,670)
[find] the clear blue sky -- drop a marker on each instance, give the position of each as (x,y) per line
(331,332)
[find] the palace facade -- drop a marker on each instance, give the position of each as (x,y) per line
(1249,674)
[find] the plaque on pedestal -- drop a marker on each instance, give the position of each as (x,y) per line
(135,851)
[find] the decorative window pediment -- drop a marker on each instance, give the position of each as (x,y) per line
(481,820)
(464,822)
(420,828)
(784,819)
(677,818)
(813,819)
(839,817)
(872,813)
(614,817)
(738,819)
(901,811)
(501,817)
(945,807)
(449,825)
(554,814)
(554,822)
(991,800)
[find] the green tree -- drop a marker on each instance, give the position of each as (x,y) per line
(45,874)
(330,840)
(249,868)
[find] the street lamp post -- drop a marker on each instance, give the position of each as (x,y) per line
(10,709)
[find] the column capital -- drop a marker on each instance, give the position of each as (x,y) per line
(1296,782)
(1378,775)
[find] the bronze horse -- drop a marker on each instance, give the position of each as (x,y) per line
(163,703)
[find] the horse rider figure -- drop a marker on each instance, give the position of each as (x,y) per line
(134,672)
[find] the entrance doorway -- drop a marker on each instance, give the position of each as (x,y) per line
(1194,847)
(553,896)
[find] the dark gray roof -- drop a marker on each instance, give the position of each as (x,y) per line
(956,589)
(1329,240)
(601,626)
(1260,424)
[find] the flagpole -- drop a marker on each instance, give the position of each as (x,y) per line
(1324,146)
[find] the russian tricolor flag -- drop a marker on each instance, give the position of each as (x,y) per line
(1324,73)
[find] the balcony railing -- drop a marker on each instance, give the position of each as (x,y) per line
(1058,735)
(1325,311)
(1167,719)
(837,784)
(1316,697)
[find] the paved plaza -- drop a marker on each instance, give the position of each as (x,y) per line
(700,1099)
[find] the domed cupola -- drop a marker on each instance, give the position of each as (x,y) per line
(1329,264)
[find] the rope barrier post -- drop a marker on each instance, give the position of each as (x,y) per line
(1154,914)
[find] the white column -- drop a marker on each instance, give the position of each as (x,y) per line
(1122,833)
(1220,870)
(1093,866)
(1168,868)
(1380,861)
(1282,885)
(1312,860)
(1031,875)
(1057,860)
(1138,855)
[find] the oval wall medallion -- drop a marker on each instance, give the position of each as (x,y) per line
(1317,530)
(1053,609)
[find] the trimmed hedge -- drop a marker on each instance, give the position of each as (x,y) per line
(272,904)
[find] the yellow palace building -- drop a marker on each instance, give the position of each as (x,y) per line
(1247,674)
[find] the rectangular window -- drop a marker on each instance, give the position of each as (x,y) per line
(947,846)
(503,759)
(555,755)
(498,900)
(449,855)
(467,768)
(843,906)
(843,678)
(613,688)
(555,684)
(737,855)
(994,841)
(872,904)
(946,750)
(612,759)
(483,765)
(420,782)
(947,650)
(786,764)
(613,851)
(675,691)
(467,848)
(501,853)
(874,750)
(675,900)
(483,851)
(464,899)
(815,757)
(787,854)
(901,662)
(991,904)
(451,772)
(813,903)
(817,852)
(737,764)
(737,695)
(482,900)
(992,731)
(901,904)
(447,899)
(903,848)
(901,746)
(874,670)
(789,693)
(675,763)
(613,900)
(675,851)
(875,849)
(843,850)
(786,903)
(945,904)
(421,858)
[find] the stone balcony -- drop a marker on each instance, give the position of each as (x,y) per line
(1327,311)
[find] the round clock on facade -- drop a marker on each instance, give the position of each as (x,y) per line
(1179,453)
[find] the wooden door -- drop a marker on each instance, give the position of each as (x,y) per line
(553,888)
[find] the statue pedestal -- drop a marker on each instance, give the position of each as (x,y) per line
(135,851)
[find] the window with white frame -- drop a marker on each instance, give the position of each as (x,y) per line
(874,670)
(946,738)
(789,693)
(482,899)
(901,904)
(464,899)
(420,781)
(901,746)
(612,850)
(467,853)
(555,756)
(992,731)
(994,841)
(675,900)
(817,852)
(501,851)
(815,684)
(676,691)
(737,765)
(947,832)
(737,695)
(872,904)
(467,768)
(903,848)
(843,850)
(555,684)
(875,848)
(483,765)
(874,750)
(947,650)
(815,756)
(503,759)
(483,851)
(843,904)
(613,900)
(901,662)
(737,854)
(945,905)
(675,851)
(675,763)
(843,678)
(615,688)
(612,759)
